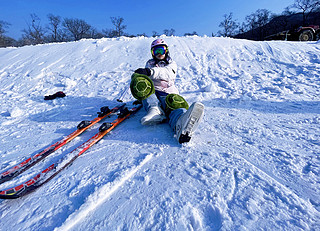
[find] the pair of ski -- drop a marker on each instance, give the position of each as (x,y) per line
(51,171)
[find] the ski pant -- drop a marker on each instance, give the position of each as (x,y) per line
(158,99)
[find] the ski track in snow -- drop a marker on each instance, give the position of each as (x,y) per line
(253,164)
(99,197)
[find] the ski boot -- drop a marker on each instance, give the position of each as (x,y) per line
(155,116)
(188,122)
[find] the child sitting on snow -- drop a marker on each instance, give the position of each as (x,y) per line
(154,86)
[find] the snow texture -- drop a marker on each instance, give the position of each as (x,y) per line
(253,164)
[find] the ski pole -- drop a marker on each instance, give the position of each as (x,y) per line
(124,93)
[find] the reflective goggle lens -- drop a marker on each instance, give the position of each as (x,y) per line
(160,50)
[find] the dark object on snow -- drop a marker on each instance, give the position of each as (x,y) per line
(58,94)
(303,34)
(143,71)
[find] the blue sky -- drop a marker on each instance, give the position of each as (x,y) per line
(141,16)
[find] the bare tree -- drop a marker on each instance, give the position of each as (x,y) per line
(287,11)
(242,28)
(170,32)
(34,34)
(3,26)
(94,33)
(54,22)
(255,23)
(109,33)
(4,40)
(78,28)
(259,18)
(228,25)
(191,34)
(119,27)
(263,16)
(155,34)
(306,7)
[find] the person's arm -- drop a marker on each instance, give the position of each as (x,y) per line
(167,73)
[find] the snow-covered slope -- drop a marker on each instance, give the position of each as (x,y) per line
(252,165)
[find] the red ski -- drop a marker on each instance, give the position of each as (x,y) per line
(50,172)
(28,163)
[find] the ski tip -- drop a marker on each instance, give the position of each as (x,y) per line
(9,196)
(13,193)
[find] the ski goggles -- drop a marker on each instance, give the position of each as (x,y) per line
(159,50)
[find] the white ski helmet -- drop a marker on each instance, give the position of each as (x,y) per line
(158,42)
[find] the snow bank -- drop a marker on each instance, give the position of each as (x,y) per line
(253,164)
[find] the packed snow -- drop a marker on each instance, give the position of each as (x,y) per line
(253,163)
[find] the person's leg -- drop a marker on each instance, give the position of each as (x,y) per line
(151,101)
(183,119)
(155,114)
(174,116)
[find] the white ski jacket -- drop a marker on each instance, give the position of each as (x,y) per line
(163,75)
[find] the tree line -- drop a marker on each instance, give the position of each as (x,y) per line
(72,29)
(65,30)
(259,19)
